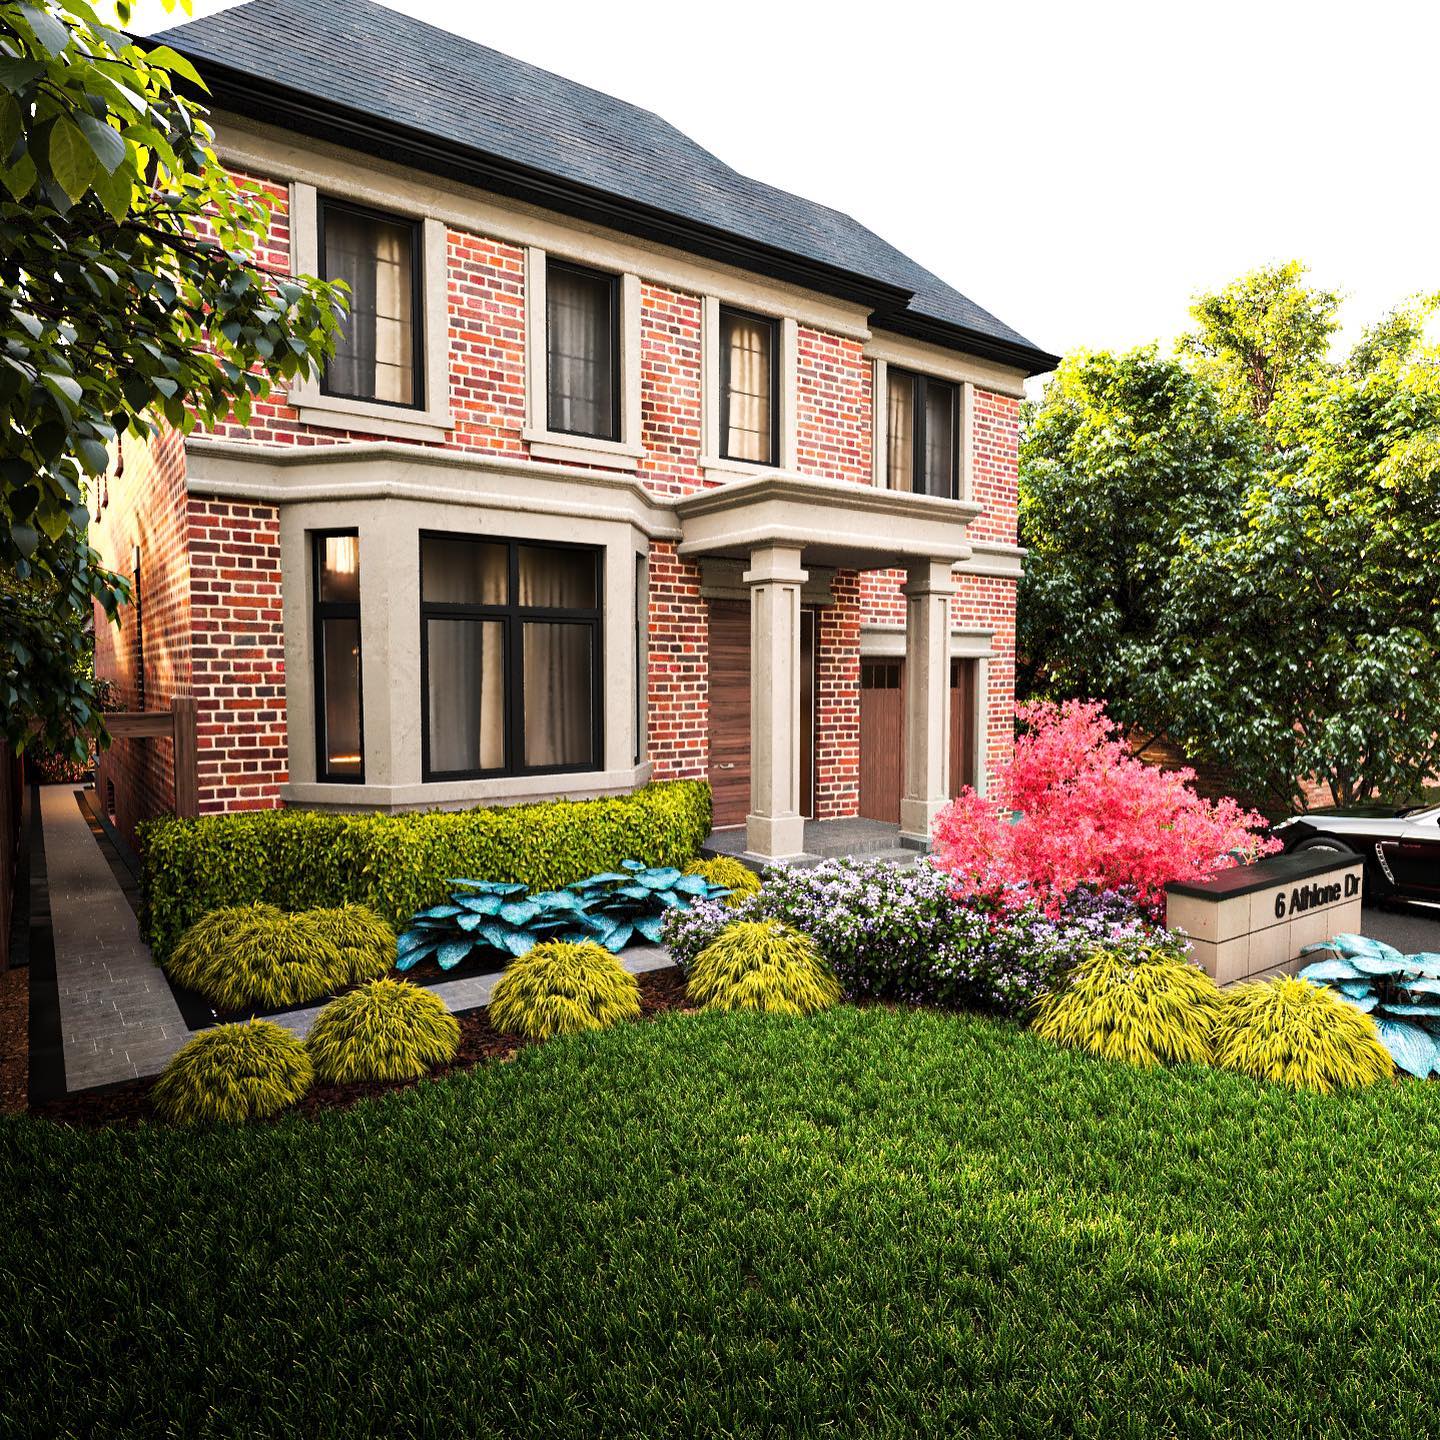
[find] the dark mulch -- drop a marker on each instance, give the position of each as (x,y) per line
(14,1040)
(128,1103)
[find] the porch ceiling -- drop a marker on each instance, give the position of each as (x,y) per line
(833,522)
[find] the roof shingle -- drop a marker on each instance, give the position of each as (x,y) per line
(367,59)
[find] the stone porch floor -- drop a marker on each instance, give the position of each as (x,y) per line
(827,840)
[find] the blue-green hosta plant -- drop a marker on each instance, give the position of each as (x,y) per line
(485,917)
(1400,993)
(622,906)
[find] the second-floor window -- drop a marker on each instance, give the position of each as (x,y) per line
(582,329)
(749,387)
(377,356)
(923,432)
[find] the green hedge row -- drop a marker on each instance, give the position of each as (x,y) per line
(398,864)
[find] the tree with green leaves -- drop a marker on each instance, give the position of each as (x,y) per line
(134,298)
(1235,549)
(1124,454)
(1262,334)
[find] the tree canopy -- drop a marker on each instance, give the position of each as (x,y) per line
(133,297)
(1280,615)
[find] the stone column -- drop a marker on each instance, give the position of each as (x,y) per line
(928,588)
(774,828)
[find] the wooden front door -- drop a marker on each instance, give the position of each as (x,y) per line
(882,733)
(729,745)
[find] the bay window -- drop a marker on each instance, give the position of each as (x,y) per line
(510,656)
(339,716)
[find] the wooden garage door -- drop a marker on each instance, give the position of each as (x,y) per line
(729,763)
(730,711)
(882,738)
(882,733)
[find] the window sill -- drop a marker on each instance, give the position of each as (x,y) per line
(582,449)
(331,412)
(718,469)
(465,794)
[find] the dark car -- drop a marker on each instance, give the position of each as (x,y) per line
(1401,848)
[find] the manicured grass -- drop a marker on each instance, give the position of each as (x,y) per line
(876,1222)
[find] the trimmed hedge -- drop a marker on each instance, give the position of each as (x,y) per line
(401,864)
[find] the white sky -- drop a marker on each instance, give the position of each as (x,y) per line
(1078,169)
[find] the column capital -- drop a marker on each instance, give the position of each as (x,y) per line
(929,577)
(775,564)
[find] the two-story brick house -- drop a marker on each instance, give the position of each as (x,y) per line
(627,467)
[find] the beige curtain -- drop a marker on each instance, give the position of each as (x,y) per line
(466,665)
(901,432)
(558,698)
(579,354)
(374,357)
(747,424)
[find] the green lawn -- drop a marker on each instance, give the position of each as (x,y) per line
(888,1223)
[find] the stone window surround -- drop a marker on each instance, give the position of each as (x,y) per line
(712,464)
(546,444)
(880,421)
(430,420)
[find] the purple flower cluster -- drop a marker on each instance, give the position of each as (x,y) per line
(900,935)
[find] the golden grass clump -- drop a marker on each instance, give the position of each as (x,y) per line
(1293,1033)
(382,1030)
(559,988)
(233,1073)
(739,879)
(1140,1003)
(258,955)
(763,965)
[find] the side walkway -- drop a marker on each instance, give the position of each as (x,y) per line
(117,1014)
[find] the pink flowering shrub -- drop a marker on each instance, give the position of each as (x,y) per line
(1090,815)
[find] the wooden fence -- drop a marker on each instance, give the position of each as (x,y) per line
(177,724)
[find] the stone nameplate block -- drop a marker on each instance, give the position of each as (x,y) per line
(1255,917)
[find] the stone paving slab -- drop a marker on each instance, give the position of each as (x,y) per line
(118,1018)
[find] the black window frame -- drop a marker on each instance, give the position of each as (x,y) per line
(514,617)
(325,203)
(919,387)
(776,379)
(332,610)
(612,281)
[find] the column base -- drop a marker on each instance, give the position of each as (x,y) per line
(774,837)
(917,817)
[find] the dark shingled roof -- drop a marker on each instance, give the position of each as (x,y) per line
(363,74)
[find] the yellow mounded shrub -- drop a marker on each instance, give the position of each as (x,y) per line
(762,965)
(559,989)
(1139,1001)
(382,1030)
(234,1073)
(739,879)
(259,955)
(1294,1033)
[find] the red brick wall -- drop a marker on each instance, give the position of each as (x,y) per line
(837,701)
(832,407)
(144,504)
(670,364)
(677,692)
(238,655)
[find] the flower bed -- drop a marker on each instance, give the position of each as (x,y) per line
(901,935)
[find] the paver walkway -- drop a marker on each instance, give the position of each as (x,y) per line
(117,1014)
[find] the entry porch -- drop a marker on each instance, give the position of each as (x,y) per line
(773,532)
